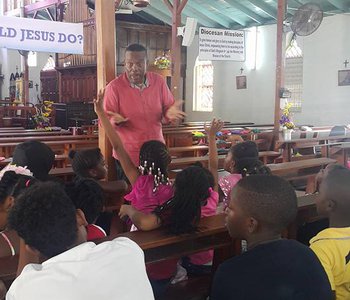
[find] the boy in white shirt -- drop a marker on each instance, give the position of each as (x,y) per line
(45,218)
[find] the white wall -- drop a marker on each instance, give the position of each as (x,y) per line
(324,103)
(9,59)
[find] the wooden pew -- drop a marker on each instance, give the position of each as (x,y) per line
(44,138)
(288,145)
(158,245)
(30,133)
(182,162)
(344,148)
(59,147)
(61,161)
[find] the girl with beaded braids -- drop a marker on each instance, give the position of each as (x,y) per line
(195,196)
(150,183)
(11,184)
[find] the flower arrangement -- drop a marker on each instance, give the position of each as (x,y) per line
(285,120)
(42,116)
(162,62)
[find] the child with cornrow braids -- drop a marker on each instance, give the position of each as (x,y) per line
(88,163)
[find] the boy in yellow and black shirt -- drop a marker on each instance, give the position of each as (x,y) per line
(332,245)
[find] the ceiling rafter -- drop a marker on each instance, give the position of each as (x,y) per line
(164,17)
(234,18)
(269,10)
(203,19)
(252,15)
(340,4)
(162,7)
(223,21)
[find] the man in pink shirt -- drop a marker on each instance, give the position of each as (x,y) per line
(137,102)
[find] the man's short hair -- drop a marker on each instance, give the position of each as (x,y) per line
(136,48)
(45,218)
(269,199)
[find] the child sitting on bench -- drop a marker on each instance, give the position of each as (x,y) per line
(261,207)
(88,163)
(11,185)
(46,219)
(87,195)
(332,245)
(241,160)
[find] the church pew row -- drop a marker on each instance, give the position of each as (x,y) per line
(33,133)
(159,245)
(305,170)
(58,146)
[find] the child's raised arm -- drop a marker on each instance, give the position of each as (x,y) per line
(129,168)
(211,130)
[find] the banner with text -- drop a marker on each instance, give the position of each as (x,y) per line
(39,35)
(221,44)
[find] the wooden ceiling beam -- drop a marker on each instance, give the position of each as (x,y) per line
(164,16)
(265,8)
(252,15)
(340,4)
(203,19)
(210,14)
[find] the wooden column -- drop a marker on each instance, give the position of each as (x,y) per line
(24,62)
(175,8)
(106,65)
(279,63)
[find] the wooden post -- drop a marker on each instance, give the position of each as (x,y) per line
(279,63)
(106,65)
(24,62)
(175,9)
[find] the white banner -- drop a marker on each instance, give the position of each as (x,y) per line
(221,44)
(39,35)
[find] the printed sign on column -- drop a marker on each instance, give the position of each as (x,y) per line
(39,35)
(221,44)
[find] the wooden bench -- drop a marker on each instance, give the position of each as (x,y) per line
(182,162)
(30,133)
(58,146)
(288,145)
(44,138)
(158,245)
(301,170)
(344,148)
(60,161)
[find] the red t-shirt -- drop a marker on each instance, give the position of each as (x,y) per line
(94,232)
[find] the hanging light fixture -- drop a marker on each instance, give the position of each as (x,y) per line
(136,3)
(141,3)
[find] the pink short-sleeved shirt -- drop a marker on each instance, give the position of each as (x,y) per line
(145,108)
